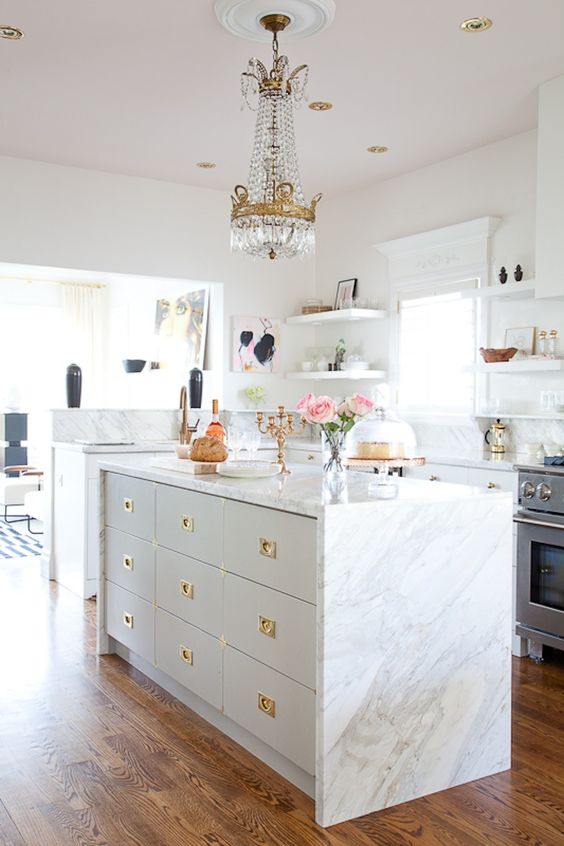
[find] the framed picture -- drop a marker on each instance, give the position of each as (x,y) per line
(181,325)
(345,293)
(256,345)
(522,337)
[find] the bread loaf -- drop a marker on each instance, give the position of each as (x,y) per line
(208,449)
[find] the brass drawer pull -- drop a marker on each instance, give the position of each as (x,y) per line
(128,620)
(267,627)
(186,655)
(127,562)
(311,457)
(187,523)
(267,548)
(433,478)
(491,486)
(187,589)
(266,705)
(128,505)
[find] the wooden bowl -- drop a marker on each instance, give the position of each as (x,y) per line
(491,355)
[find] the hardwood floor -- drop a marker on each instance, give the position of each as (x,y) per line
(93,753)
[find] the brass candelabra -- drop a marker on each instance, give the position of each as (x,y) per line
(279,430)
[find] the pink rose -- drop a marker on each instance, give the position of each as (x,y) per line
(344,411)
(303,403)
(359,404)
(321,410)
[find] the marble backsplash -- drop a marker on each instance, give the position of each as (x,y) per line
(469,435)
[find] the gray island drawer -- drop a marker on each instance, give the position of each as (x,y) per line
(190,589)
(272,548)
(130,505)
(273,627)
(190,522)
(278,710)
(131,620)
(130,563)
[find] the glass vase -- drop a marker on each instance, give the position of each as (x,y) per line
(334,471)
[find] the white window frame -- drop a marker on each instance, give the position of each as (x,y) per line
(440,257)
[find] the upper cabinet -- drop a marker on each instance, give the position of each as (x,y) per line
(550,191)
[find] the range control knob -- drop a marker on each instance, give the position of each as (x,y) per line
(527,490)
(544,492)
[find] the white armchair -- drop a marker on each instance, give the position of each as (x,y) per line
(13,488)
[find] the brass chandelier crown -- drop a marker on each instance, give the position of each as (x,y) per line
(270,218)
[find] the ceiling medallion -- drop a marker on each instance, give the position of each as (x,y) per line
(476,24)
(10,32)
(270,218)
(377,149)
(320,106)
(206,165)
(306,17)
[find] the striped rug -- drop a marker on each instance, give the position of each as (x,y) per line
(16,545)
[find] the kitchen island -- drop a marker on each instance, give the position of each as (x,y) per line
(361,649)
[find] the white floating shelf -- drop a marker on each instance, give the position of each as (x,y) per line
(522,366)
(351,375)
(509,291)
(343,315)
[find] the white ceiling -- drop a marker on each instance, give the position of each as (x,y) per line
(148,89)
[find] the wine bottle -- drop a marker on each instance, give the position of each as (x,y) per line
(215,428)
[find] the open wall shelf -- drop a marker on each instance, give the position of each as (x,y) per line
(343,315)
(350,375)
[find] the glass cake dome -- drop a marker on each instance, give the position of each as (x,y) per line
(381,436)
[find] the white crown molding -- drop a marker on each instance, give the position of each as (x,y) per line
(439,239)
(242,17)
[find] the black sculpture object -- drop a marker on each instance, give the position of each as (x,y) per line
(74,385)
(195,387)
(503,276)
(518,273)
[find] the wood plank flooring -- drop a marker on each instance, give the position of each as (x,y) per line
(92,753)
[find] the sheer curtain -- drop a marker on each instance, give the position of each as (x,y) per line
(85,321)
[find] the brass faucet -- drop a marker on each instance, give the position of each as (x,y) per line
(185,433)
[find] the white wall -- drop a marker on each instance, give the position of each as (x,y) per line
(497,180)
(71,218)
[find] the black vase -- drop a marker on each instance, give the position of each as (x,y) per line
(74,385)
(195,387)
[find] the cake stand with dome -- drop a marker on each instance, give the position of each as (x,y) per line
(382,442)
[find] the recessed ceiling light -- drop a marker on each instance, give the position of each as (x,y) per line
(476,24)
(11,32)
(206,165)
(377,149)
(320,106)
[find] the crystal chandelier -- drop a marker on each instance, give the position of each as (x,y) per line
(270,218)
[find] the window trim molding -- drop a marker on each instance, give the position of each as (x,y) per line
(437,257)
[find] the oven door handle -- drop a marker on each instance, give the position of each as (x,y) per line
(541,523)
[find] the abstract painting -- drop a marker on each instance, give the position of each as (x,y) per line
(256,344)
(185,320)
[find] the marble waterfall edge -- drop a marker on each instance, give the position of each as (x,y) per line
(414,684)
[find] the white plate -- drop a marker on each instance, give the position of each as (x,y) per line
(248,469)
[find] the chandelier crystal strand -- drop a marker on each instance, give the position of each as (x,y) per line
(270,217)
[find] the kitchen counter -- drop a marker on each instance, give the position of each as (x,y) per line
(115,447)
(302,492)
(397,681)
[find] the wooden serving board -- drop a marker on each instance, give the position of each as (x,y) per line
(185,465)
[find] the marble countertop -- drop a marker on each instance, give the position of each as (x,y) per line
(138,446)
(303,491)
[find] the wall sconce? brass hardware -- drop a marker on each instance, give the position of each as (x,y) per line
(186,655)
(433,478)
(267,627)
(266,705)
(187,589)
(267,548)
(491,486)
(187,523)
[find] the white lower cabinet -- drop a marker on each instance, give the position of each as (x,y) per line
(278,710)
(190,656)
(277,629)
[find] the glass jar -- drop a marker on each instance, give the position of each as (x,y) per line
(380,437)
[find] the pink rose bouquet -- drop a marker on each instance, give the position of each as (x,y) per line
(335,420)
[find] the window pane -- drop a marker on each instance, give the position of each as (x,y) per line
(437,340)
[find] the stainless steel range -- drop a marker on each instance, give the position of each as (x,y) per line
(540,557)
